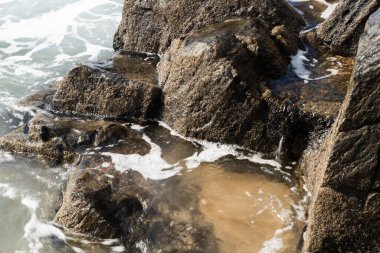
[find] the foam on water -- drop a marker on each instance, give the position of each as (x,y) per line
(35,230)
(49,37)
(330,8)
(326,13)
(40,40)
(301,65)
(6,157)
(154,166)
(151,166)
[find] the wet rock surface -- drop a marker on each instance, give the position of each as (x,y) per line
(103,202)
(213,74)
(150,26)
(125,86)
(344,215)
(215,85)
(60,139)
(342,30)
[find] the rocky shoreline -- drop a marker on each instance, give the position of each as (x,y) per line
(207,69)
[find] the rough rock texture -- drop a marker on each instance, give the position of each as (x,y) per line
(345,210)
(124,87)
(103,202)
(342,30)
(150,26)
(37,139)
(214,83)
(60,139)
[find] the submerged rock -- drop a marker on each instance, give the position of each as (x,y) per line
(150,26)
(125,87)
(103,202)
(345,210)
(342,30)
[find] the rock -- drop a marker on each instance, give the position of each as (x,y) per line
(342,30)
(344,213)
(41,99)
(60,139)
(125,87)
(150,26)
(94,203)
(36,138)
(103,202)
(286,40)
(214,79)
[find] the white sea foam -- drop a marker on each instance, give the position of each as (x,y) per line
(153,166)
(6,191)
(44,41)
(329,10)
(142,246)
(300,64)
(6,157)
(272,246)
(275,244)
(35,230)
(118,249)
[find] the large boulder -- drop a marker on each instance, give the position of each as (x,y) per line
(345,209)
(124,87)
(342,30)
(214,84)
(150,26)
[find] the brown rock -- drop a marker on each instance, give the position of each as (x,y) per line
(345,213)
(150,26)
(103,202)
(60,139)
(214,83)
(342,30)
(211,82)
(122,88)
(286,40)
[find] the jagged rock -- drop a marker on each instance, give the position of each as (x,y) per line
(345,213)
(94,203)
(103,202)
(125,87)
(150,26)
(213,84)
(35,138)
(61,139)
(342,30)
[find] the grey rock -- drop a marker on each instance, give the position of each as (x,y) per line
(215,86)
(345,213)
(150,26)
(103,202)
(60,139)
(342,30)
(125,87)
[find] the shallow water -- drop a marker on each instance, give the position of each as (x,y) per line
(40,40)
(254,204)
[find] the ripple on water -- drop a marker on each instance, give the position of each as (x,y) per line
(46,39)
